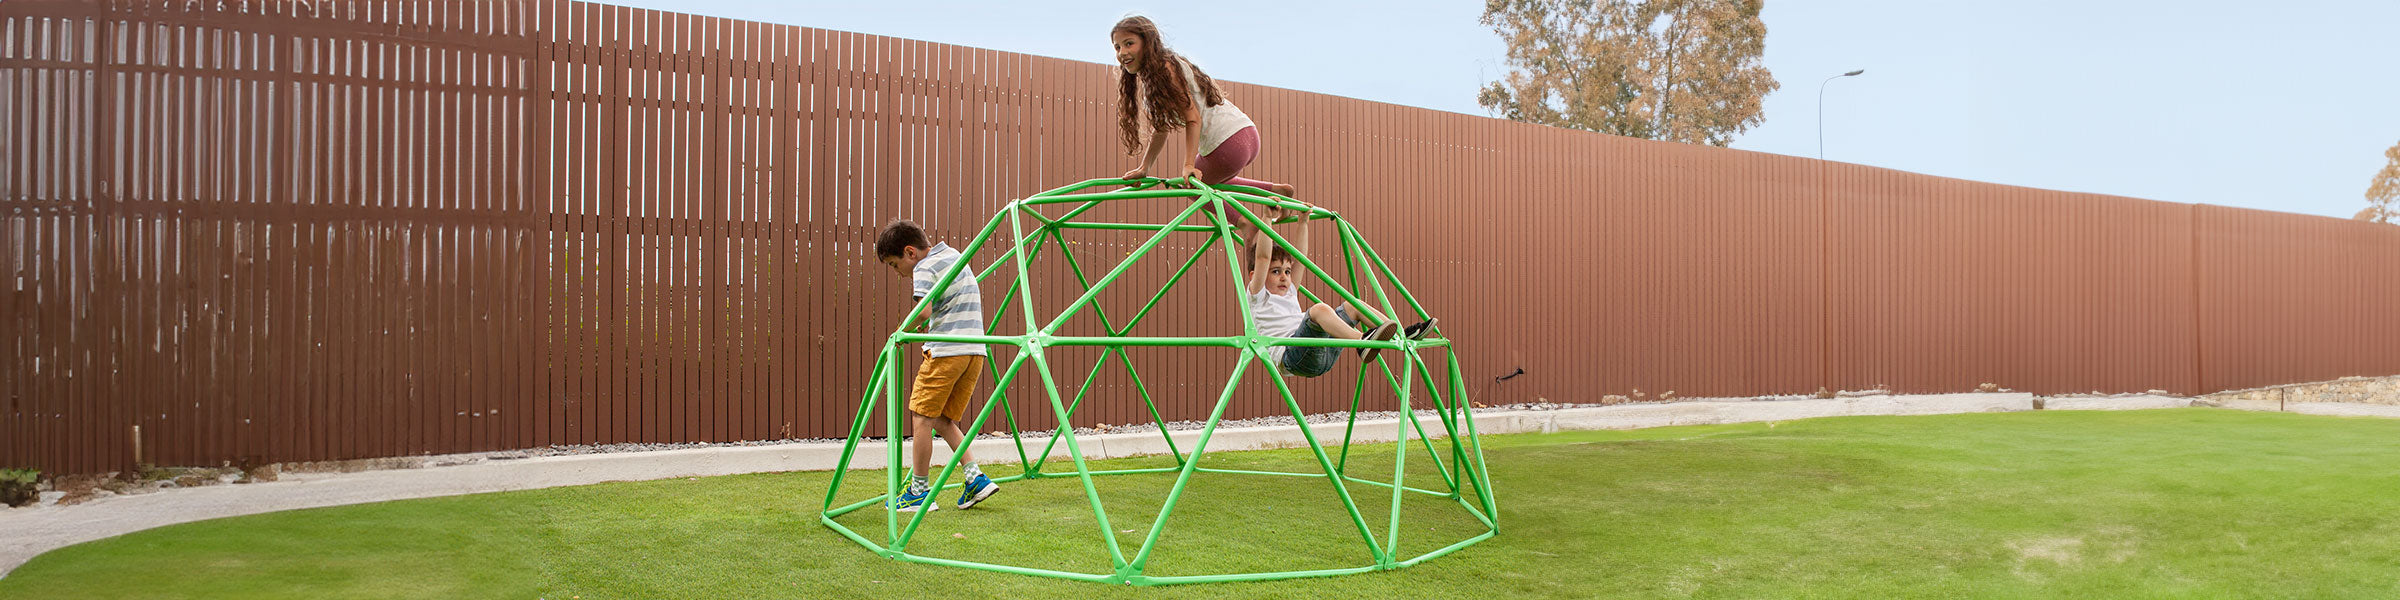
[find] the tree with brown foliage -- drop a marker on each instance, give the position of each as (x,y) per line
(1678,70)
(2383,193)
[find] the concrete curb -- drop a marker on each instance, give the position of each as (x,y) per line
(2116,403)
(41,529)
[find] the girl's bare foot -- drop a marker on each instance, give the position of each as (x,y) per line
(1285,190)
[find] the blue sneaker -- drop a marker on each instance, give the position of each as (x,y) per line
(978,488)
(913,499)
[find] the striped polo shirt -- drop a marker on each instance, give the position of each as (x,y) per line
(959,312)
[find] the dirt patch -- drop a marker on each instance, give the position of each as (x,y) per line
(2065,551)
(2113,544)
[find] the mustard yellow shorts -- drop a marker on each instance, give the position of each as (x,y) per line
(945,385)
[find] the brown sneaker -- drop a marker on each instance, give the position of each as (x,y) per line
(1381,333)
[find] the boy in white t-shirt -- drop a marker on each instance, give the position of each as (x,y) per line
(1275,302)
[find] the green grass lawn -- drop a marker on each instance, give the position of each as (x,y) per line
(2191,503)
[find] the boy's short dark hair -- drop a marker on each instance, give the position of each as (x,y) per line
(1279,254)
(899,236)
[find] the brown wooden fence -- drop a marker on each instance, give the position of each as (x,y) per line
(278,231)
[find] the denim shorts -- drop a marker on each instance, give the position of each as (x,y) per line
(1311,361)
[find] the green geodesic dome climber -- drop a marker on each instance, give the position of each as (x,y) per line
(1457,464)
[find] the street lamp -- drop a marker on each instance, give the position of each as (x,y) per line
(1821,110)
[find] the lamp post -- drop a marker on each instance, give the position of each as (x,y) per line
(1821,109)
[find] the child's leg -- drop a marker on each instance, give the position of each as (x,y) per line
(957,439)
(1332,322)
(1223,164)
(920,445)
(1372,316)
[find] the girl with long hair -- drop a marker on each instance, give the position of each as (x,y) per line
(1180,97)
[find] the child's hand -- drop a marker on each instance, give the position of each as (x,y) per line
(1136,173)
(1191,171)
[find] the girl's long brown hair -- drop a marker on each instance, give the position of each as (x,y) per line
(1167,100)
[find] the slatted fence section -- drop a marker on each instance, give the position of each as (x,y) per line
(281,231)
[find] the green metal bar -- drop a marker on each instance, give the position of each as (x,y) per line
(1119,195)
(1408,414)
(1332,343)
(1062,340)
(1114,332)
(1483,477)
(1007,296)
(1008,411)
(845,509)
(1076,267)
(1358,394)
(1140,386)
(1261,197)
(1447,410)
(1339,490)
(1078,403)
(1067,428)
(1132,226)
(1413,362)
(1023,288)
(1171,281)
(854,536)
(1405,295)
(1444,495)
(1016,434)
(957,455)
(970,338)
(858,424)
(1470,507)
(1446,550)
(1145,341)
(891,513)
(1141,559)
(1066,425)
(1087,183)
(1078,211)
(1233,265)
(1138,471)
(1144,391)
(1350,255)
(1373,282)
(1086,577)
(1229,341)
(1113,274)
(942,285)
(1183,579)
(1024,272)
(1250,472)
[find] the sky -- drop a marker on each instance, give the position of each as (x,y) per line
(2284,106)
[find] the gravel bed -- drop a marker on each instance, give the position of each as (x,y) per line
(1189,425)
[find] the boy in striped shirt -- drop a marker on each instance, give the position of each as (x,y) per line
(946,379)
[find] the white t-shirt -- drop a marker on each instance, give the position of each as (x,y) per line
(1278,315)
(1216,122)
